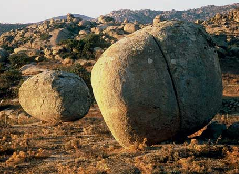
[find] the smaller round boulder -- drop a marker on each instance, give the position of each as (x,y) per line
(55,96)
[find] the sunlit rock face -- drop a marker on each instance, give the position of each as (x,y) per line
(159,83)
(55,96)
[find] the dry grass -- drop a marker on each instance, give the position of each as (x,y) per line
(29,146)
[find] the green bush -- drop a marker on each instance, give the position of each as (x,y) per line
(9,83)
(9,49)
(44,36)
(85,47)
(18,60)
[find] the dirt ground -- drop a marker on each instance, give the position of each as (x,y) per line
(86,146)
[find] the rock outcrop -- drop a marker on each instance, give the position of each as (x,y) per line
(59,35)
(158,19)
(55,95)
(225,31)
(131,28)
(145,16)
(159,83)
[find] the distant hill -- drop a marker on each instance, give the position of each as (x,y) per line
(8,27)
(76,15)
(146,16)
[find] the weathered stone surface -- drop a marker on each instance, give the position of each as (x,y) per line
(159,83)
(30,70)
(84,23)
(105,19)
(55,95)
(59,35)
(68,61)
(131,28)
(158,19)
(3,55)
(28,51)
(84,32)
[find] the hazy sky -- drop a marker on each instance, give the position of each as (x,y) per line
(25,11)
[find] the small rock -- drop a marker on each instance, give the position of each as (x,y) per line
(23,116)
(131,28)
(214,130)
(31,69)
(8,112)
(233,131)
(12,116)
(68,61)
(158,19)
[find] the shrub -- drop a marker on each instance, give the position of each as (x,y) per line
(18,60)
(9,83)
(44,36)
(85,47)
(9,49)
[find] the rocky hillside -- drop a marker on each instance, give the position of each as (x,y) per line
(7,27)
(224,28)
(146,16)
(63,39)
(76,15)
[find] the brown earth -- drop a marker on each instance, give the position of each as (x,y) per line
(86,146)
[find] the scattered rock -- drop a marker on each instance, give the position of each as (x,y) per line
(131,28)
(84,23)
(28,51)
(57,49)
(106,19)
(68,61)
(158,19)
(214,130)
(40,58)
(55,95)
(233,131)
(23,116)
(84,62)
(30,70)
(70,17)
(84,32)
(59,35)
(156,83)
(96,30)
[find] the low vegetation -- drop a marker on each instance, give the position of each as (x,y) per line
(83,48)
(18,60)
(9,83)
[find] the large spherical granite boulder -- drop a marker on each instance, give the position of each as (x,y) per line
(55,95)
(160,83)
